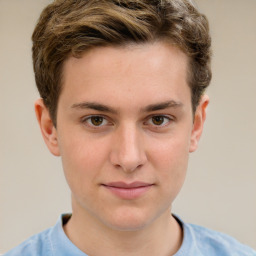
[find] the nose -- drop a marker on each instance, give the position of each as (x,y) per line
(128,151)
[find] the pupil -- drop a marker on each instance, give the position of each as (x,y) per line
(97,120)
(158,120)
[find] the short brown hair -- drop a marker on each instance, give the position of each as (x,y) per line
(70,27)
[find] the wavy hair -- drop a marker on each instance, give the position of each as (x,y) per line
(70,27)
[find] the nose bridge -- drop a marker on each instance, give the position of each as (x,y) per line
(128,151)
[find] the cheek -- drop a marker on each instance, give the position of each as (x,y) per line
(171,160)
(82,159)
(171,152)
(82,151)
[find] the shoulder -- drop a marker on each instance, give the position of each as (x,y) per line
(36,245)
(211,242)
(50,242)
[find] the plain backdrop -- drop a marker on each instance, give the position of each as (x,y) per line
(220,190)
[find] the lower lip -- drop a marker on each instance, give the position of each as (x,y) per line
(129,193)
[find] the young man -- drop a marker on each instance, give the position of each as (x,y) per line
(122,102)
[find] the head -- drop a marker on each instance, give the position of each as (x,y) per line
(71,27)
(121,83)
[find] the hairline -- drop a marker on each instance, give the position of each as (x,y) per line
(123,45)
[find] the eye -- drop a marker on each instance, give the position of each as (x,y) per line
(95,121)
(159,120)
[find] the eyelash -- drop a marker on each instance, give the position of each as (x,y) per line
(167,120)
(88,121)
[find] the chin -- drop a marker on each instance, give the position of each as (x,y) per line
(131,225)
(129,220)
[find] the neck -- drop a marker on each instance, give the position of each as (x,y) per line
(162,237)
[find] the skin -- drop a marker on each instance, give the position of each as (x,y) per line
(144,130)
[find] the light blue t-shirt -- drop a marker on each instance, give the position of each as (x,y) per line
(197,241)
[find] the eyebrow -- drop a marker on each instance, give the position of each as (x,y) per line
(94,106)
(163,105)
(149,108)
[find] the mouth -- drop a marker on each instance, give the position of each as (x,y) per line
(128,191)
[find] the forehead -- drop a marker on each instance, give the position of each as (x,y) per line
(151,55)
(142,73)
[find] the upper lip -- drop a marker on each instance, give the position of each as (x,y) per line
(121,184)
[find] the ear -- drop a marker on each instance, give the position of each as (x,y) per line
(48,130)
(198,125)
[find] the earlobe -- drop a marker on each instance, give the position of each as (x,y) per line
(198,125)
(48,130)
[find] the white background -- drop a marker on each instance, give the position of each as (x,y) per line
(220,191)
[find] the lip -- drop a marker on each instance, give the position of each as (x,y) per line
(128,191)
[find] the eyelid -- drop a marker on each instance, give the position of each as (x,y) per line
(84,120)
(169,117)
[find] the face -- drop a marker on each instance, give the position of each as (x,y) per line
(124,132)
